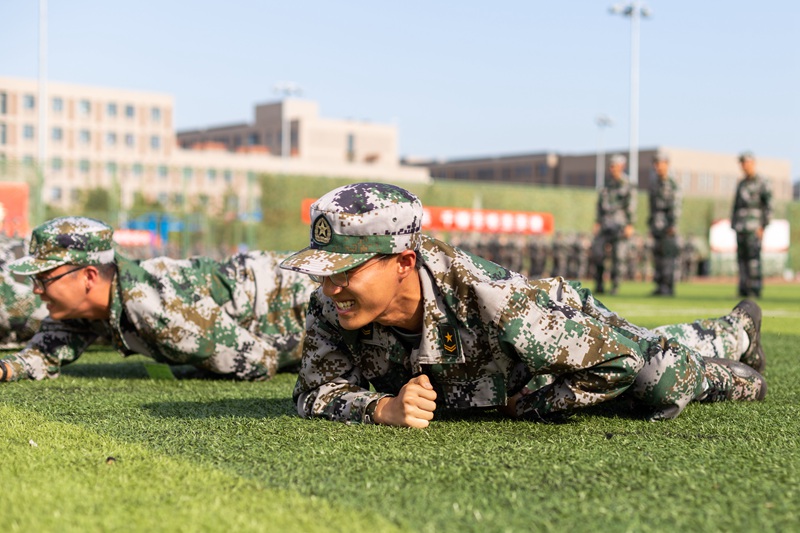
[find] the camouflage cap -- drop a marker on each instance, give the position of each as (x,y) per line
(660,155)
(351,224)
(617,159)
(746,155)
(67,240)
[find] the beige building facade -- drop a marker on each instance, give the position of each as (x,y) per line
(104,138)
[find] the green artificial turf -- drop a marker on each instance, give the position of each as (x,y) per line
(193,455)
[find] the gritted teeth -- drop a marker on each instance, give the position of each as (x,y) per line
(344,305)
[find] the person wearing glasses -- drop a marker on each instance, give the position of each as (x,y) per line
(242,318)
(404,324)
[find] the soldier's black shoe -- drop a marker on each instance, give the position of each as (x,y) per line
(754,355)
(748,385)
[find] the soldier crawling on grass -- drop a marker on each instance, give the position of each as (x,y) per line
(429,325)
(242,318)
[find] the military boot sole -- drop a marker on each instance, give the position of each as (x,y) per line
(748,384)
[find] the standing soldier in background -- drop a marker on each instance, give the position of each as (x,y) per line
(665,209)
(752,209)
(616,205)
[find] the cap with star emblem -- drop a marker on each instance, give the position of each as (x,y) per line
(351,224)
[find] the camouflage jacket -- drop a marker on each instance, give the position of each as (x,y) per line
(752,207)
(616,205)
(665,205)
(21,311)
(486,331)
(244,317)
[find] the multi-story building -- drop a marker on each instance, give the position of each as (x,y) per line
(699,173)
(309,137)
(103,138)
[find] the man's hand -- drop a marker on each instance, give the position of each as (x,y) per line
(628,231)
(412,407)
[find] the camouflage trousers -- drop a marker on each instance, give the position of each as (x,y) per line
(748,255)
(665,254)
(608,244)
(675,371)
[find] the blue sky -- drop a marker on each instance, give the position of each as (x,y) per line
(460,79)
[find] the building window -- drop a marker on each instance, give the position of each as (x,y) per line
(84,136)
(130,111)
(177,199)
(461,174)
(705,182)
(58,164)
(27,161)
(130,140)
(3,134)
(3,104)
(252,139)
(227,176)
(525,171)
(111,138)
(83,166)
(485,174)
(111,168)
(163,172)
(137,170)
(74,194)
(58,104)
(28,132)
(111,109)
(155,142)
(84,107)
(211,175)
(58,134)
(28,101)
(155,114)
(163,198)
(55,194)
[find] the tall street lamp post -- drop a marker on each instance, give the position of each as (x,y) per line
(635,11)
(602,121)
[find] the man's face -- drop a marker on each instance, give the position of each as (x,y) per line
(615,170)
(662,168)
(369,295)
(64,291)
(749,167)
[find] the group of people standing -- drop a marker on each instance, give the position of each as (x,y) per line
(616,208)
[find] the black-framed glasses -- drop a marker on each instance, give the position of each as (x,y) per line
(340,279)
(41,284)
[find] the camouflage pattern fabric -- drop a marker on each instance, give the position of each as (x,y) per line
(752,210)
(21,311)
(353,223)
(67,240)
(486,333)
(665,210)
(616,208)
(242,317)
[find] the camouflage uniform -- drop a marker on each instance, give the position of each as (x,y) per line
(616,205)
(242,317)
(486,332)
(21,311)
(752,209)
(665,209)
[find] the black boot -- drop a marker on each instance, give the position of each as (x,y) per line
(754,355)
(732,380)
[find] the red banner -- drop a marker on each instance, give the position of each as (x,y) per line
(474,220)
(14,209)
